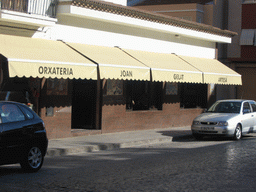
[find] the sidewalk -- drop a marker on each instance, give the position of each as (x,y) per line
(68,146)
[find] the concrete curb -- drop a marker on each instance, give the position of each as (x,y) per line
(80,149)
(51,152)
(92,143)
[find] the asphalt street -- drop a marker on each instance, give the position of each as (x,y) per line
(182,165)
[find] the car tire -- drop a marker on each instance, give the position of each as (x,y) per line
(32,160)
(238,132)
(198,136)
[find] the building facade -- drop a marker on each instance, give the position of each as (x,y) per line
(90,67)
(234,15)
(242,54)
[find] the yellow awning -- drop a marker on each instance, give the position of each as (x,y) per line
(32,57)
(167,67)
(214,71)
(114,63)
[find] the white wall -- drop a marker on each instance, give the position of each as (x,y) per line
(66,12)
(120,2)
(101,38)
(125,2)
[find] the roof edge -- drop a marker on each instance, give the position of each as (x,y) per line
(147,15)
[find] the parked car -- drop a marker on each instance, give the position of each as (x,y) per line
(22,136)
(232,118)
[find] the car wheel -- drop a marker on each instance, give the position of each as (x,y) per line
(33,159)
(198,136)
(238,132)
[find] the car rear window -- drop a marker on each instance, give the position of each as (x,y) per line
(11,113)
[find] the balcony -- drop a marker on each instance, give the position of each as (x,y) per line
(36,7)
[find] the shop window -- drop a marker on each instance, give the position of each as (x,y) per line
(114,87)
(57,86)
(193,95)
(143,95)
(171,88)
(137,95)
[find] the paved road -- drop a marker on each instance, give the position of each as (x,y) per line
(183,165)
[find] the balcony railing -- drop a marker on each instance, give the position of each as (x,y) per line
(38,7)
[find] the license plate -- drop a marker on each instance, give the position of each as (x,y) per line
(207,128)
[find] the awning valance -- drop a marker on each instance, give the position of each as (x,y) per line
(167,67)
(214,71)
(31,57)
(114,63)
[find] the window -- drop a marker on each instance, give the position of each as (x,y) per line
(247,37)
(57,86)
(199,19)
(193,95)
(114,87)
(21,5)
(225,107)
(253,104)
(137,95)
(11,113)
(246,108)
(28,113)
(143,95)
(249,1)
(49,111)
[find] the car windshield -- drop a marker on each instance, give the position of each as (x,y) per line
(225,107)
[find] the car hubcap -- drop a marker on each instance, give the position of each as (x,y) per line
(35,157)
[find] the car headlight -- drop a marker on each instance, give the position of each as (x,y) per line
(222,123)
(196,122)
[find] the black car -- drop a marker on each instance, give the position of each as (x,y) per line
(22,136)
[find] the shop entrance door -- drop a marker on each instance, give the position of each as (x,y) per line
(83,104)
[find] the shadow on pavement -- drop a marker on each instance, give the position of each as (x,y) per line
(186,136)
(179,135)
(10,170)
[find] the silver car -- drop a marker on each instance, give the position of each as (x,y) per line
(232,118)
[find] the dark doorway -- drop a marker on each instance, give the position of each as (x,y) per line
(157,95)
(83,104)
